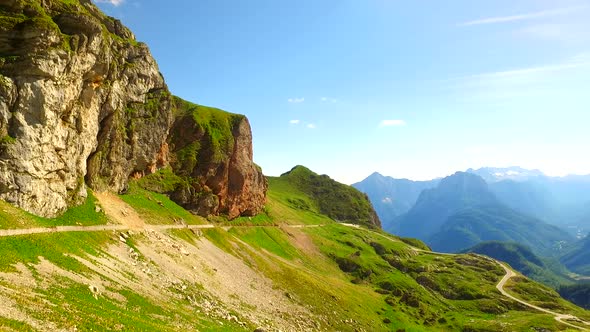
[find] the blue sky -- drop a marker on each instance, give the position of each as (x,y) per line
(415,89)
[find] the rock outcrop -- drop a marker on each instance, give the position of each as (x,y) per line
(212,153)
(83,103)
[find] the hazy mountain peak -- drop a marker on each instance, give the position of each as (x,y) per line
(515,173)
(462,184)
(392,197)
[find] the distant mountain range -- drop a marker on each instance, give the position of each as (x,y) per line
(462,211)
(392,197)
(435,205)
(494,174)
(562,201)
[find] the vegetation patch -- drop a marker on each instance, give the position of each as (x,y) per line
(156,208)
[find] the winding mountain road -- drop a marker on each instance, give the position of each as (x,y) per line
(562,318)
(558,317)
(95,228)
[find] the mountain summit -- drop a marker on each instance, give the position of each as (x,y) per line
(392,197)
(434,205)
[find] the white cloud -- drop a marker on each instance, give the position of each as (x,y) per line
(518,83)
(521,17)
(311,126)
(296,100)
(392,123)
(295,122)
(387,200)
(112,2)
(328,100)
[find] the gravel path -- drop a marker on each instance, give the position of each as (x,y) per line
(134,225)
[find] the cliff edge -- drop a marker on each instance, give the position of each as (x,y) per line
(82,103)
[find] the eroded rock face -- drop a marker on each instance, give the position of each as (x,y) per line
(223,179)
(246,186)
(82,103)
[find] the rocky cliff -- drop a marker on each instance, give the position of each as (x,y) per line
(212,154)
(83,103)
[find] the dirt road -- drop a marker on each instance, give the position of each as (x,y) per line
(115,205)
(562,318)
(558,317)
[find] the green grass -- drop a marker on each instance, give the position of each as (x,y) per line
(286,204)
(270,239)
(321,194)
(56,248)
(82,215)
(261,219)
(544,297)
(220,238)
(7,324)
(157,208)
(162,181)
(214,124)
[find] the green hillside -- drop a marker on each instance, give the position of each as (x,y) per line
(577,257)
(524,261)
(496,222)
(291,268)
(338,201)
(578,294)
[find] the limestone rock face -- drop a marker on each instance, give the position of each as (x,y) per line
(83,103)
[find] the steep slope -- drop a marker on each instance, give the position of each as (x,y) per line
(338,201)
(83,103)
(166,276)
(524,261)
(578,294)
(392,197)
(472,225)
(577,257)
(434,206)
(211,161)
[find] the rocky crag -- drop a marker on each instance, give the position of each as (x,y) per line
(82,103)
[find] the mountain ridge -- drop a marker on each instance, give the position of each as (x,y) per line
(392,197)
(462,211)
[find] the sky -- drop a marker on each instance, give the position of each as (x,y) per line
(412,89)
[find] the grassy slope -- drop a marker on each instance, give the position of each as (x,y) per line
(156,208)
(476,224)
(83,215)
(577,257)
(320,194)
(521,258)
(348,278)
